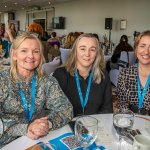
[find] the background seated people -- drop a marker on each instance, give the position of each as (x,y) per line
(31,103)
(6,38)
(65,49)
(12,31)
(45,36)
(84,79)
(133,90)
(36,28)
(52,53)
(54,44)
(54,41)
(122,46)
(70,39)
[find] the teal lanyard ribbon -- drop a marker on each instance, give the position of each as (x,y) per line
(29,113)
(83,102)
(141,93)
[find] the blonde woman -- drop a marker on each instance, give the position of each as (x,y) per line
(31,103)
(83,78)
(6,39)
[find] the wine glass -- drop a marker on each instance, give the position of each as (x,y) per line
(86,128)
(123,122)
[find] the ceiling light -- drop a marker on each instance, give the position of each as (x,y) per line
(49,3)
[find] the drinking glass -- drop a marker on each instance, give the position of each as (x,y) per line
(123,123)
(86,128)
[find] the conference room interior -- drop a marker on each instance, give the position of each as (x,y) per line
(108,19)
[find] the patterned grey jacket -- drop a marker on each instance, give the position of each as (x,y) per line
(49,101)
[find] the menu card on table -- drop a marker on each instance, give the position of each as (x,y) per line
(68,142)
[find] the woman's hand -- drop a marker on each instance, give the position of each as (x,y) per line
(39,127)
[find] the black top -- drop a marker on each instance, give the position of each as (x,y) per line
(100,96)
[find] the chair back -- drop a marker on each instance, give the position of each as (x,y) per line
(64,54)
(50,67)
(125,57)
(128,57)
(113,75)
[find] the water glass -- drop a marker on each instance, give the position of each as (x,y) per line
(86,128)
(123,123)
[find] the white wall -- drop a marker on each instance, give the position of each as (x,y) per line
(21,16)
(27,18)
(89,16)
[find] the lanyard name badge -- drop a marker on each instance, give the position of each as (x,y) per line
(83,102)
(29,113)
(141,94)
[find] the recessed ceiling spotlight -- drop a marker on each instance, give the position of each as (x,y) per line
(49,3)
(15,3)
(5,6)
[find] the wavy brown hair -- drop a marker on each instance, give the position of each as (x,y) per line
(16,43)
(98,65)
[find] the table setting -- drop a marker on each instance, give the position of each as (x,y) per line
(101,136)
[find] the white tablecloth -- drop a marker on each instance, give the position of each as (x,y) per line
(106,135)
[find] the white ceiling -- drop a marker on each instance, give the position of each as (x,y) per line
(13,5)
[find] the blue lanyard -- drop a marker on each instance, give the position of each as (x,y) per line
(83,102)
(141,94)
(23,98)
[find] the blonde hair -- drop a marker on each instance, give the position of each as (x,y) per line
(137,41)
(70,39)
(98,65)
(16,43)
(12,31)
